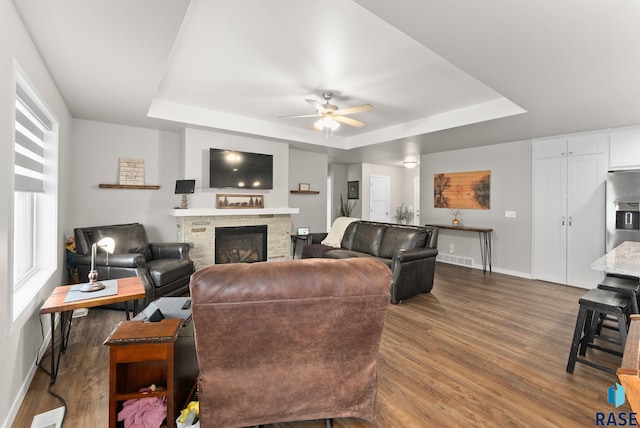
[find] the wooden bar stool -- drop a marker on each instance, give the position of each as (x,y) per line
(594,306)
(627,285)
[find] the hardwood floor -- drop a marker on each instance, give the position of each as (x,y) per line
(480,350)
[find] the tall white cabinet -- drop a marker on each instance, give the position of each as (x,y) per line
(569,175)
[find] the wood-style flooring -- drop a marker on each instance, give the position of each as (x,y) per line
(480,350)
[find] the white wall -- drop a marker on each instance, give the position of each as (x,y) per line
(339,176)
(408,186)
(510,166)
(94,158)
(196,166)
(311,168)
(20,342)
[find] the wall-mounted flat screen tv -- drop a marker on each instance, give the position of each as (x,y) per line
(240,170)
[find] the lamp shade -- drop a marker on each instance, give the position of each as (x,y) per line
(108,244)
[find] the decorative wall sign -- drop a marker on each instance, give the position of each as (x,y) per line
(239,201)
(464,190)
(131,171)
(304,187)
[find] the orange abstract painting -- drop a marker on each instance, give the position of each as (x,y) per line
(464,190)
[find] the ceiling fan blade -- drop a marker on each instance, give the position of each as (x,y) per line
(355,109)
(316,105)
(299,115)
(349,121)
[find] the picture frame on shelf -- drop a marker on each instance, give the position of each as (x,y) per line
(353,190)
(304,187)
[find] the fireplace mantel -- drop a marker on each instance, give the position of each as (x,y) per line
(214,212)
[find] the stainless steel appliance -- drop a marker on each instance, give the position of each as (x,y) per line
(623,207)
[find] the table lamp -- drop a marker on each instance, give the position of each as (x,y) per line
(184,187)
(107,244)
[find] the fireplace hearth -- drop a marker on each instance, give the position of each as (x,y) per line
(241,244)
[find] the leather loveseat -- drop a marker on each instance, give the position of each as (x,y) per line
(290,340)
(165,269)
(410,252)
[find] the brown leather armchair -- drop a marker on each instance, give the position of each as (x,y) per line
(288,340)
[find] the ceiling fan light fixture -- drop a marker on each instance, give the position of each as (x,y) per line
(327,122)
(410,164)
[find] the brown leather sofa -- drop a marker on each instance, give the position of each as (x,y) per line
(409,251)
(165,268)
(288,340)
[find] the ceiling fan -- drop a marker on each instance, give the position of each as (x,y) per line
(330,116)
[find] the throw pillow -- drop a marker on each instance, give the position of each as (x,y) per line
(334,237)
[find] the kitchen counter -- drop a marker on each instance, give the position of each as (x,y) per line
(623,260)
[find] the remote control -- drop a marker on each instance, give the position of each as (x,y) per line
(187,304)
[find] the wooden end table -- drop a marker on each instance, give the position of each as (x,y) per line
(128,289)
(144,353)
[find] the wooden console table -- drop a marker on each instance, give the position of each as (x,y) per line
(485,240)
(145,353)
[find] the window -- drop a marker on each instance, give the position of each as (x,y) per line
(35,194)
(24,260)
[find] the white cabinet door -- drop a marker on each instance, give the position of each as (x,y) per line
(625,149)
(550,219)
(569,208)
(586,218)
(550,149)
(588,145)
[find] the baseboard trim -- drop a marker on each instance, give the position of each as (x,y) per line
(443,259)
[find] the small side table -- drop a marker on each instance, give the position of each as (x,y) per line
(297,239)
(128,289)
(145,353)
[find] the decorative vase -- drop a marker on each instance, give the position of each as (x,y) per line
(455,222)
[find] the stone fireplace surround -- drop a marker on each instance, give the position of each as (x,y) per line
(196,226)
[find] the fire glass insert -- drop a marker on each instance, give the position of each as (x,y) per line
(242,244)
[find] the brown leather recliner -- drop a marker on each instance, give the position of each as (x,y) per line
(288,340)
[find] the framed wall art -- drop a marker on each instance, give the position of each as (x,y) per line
(353,190)
(463,190)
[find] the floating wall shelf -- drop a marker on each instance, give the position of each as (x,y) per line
(128,186)
(305,192)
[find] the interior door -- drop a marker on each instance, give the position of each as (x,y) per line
(379,198)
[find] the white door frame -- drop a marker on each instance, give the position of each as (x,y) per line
(416,201)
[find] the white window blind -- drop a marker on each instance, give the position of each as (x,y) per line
(30,129)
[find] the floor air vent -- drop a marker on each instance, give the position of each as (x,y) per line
(455,260)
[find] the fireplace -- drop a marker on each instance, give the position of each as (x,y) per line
(241,244)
